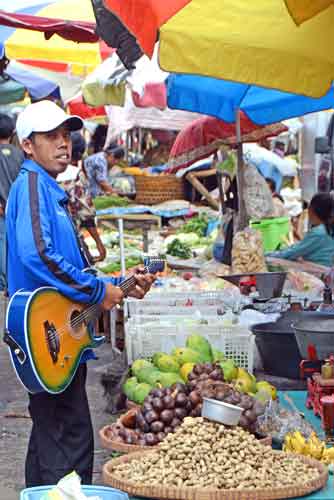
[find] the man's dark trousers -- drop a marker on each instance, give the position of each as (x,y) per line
(62,437)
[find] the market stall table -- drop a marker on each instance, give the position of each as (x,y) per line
(134,221)
(305,266)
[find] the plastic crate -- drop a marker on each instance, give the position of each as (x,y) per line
(163,310)
(143,340)
(168,301)
(274,232)
(103,492)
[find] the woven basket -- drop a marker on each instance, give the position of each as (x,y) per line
(109,441)
(174,493)
(151,189)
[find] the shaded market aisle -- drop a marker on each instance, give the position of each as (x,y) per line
(15,426)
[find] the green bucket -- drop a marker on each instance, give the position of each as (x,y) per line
(274,232)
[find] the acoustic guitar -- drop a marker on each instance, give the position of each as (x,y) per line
(47,334)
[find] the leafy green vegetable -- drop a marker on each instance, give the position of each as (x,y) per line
(178,249)
(197,224)
(115,267)
(103,202)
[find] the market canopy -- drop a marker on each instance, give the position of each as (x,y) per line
(76,31)
(74,20)
(221,98)
(302,10)
(205,135)
(238,40)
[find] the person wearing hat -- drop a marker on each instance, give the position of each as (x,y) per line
(97,168)
(43,250)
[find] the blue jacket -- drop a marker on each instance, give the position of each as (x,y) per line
(317,246)
(43,247)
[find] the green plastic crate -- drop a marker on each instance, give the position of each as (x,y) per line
(274,232)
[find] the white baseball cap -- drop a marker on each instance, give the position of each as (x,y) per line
(44,116)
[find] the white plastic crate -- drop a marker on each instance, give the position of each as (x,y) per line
(165,303)
(143,340)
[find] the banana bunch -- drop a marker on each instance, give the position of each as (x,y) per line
(311,447)
(328,456)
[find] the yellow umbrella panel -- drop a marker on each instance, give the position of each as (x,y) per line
(32,45)
(254,42)
(302,10)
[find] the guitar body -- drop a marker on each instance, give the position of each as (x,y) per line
(45,340)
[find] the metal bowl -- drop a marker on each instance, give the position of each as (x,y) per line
(223,413)
(269,285)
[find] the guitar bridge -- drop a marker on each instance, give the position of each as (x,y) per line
(52,340)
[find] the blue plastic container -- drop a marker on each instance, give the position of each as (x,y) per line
(103,492)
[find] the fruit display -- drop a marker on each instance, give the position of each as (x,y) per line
(295,442)
(166,369)
(202,454)
(207,380)
(164,409)
(162,412)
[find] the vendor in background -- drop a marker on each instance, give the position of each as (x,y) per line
(97,168)
(318,243)
(11,159)
(80,202)
(279,208)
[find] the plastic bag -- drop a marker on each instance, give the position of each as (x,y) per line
(278,421)
(68,488)
(248,253)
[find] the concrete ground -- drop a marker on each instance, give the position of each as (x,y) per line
(15,424)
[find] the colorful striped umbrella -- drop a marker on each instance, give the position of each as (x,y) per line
(303,10)
(254,42)
(56,54)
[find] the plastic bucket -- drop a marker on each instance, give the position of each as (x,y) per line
(103,492)
(274,232)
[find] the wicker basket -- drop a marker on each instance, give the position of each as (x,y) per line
(109,441)
(174,493)
(151,189)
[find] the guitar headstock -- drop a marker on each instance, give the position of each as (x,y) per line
(154,264)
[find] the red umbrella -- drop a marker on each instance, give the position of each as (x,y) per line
(204,136)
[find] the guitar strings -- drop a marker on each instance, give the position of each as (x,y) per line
(85,314)
(82,316)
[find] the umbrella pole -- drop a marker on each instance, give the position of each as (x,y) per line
(242,216)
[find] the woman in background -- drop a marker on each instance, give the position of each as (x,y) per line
(80,202)
(318,244)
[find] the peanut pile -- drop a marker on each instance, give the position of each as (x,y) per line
(203,454)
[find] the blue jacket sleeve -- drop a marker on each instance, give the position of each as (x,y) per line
(36,249)
(303,249)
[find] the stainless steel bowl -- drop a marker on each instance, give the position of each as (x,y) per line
(223,413)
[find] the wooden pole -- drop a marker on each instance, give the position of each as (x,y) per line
(242,220)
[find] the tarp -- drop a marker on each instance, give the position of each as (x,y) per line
(127,117)
(204,136)
(76,31)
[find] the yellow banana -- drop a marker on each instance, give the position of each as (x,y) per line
(298,443)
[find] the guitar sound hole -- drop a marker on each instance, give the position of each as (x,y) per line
(76,321)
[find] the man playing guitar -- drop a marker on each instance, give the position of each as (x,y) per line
(44,250)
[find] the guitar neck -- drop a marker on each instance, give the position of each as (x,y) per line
(93,312)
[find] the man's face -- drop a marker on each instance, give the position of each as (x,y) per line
(52,150)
